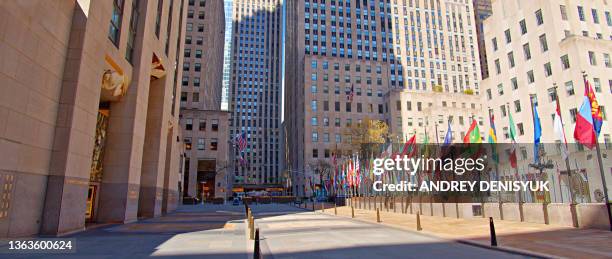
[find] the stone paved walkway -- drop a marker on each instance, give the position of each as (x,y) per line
(315,235)
(194,231)
(556,241)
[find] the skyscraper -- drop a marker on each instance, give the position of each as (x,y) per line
(255,90)
(344,57)
(205,127)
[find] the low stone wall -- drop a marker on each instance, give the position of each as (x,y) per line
(466,210)
(426,209)
(438,209)
(511,211)
(592,215)
(492,210)
(534,213)
(560,214)
(450,209)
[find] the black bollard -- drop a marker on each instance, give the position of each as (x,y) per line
(493,236)
(257,252)
(418,219)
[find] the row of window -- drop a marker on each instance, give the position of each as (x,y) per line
(214,124)
(213,144)
(347,108)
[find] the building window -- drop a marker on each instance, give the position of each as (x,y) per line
(500,89)
(569,88)
(160,5)
(494,41)
(563,12)
(115,22)
(514,83)
(581,13)
(508,36)
(201,144)
(595,16)
(597,85)
(196,82)
(539,18)
(592,58)
(315,137)
(547,69)
(527,51)
(573,114)
(530,77)
(517,106)
(187,143)
(195,97)
(497,67)
(511,59)
(213,144)
(188,124)
(565,62)
(202,125)
(215,125)
(314,121)
(543,43)
(523,26)
(606,58)
(315,153)
(129,50)
(552,94)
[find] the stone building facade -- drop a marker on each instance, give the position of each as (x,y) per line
(88,113)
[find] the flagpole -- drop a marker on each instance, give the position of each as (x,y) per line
(492,154)
(601,170)
(567,162)
(520,197)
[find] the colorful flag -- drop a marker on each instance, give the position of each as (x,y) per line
(410,147)
(493,139)
(537,133)
(473,134)
(350,94)
(560,132)
(449,135)
(241,141)
(595,109)
(585,132)
(513,159)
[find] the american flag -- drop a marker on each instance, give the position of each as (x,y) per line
(241,141)
(349,95)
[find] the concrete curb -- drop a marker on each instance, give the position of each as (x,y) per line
(506,249)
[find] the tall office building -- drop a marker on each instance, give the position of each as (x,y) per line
(533,47)
(205,127)
(482,10)
(255,91)
(344,57)
(88,113)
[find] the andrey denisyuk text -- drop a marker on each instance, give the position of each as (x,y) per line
(459,166)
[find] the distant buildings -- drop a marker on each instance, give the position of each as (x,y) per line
(205,126)
(347,62)
(255,92)
(88,113)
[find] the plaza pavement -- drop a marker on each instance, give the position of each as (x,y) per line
(219,231)
(533,238)
(315,235)
(198,231)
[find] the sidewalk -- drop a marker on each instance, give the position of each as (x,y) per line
(554,241)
